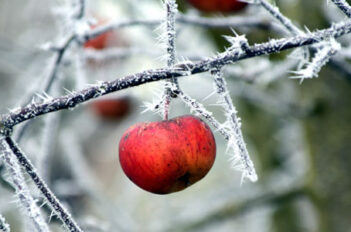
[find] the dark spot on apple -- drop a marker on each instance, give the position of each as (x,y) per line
(126,136)
(185,179)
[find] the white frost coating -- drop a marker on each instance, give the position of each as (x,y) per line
(172,9)
(343,6)
(322,56)
(240,159)
(286,22)
(274,11)
(45,97)
(157,104)
(167,41)
(4,227)
(22,191)
(237,42)
(81,27)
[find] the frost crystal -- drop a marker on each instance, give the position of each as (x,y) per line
(240,158)
(322,56)
(3,225)
(22,191)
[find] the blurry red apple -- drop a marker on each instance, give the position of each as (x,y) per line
(224,6)
(101,41)
(111,108)
(167,156)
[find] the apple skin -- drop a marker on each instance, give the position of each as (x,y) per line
(111,108)
(224,6)
(167,156)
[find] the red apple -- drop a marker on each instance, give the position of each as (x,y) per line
(111,108)
(167,156)
(224,6)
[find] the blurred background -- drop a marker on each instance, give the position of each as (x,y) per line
(298,133)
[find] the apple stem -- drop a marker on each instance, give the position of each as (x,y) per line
(166,107)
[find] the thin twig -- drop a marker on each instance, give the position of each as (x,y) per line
(4,227)
(22,190)
(81,10)
(241,158)
(227,22)
(199,109)
(58,60)
(344,6)
(59,209)
(171,7)
(60,52)
(274,11)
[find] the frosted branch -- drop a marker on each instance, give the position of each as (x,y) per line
(102,88)
(171,7)
(321,57)
(343,6)
(49,137)
(51,79)
(274,11)
(241,158)
(4,227)
(22,190)
(227,22)
(10,146)
(286,22)
(81,9)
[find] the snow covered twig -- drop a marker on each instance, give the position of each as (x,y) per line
(343,6)
(7,146)
(4,227)
(22,190)
(71,100)
(321,57)
(241,158)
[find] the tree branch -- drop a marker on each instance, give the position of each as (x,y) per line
(73,99)
(22,190)
(343,6)
(62,213)
(4,227)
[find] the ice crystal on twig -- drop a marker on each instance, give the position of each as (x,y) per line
(4,227)
(8,145)
(171,7)
(275,12)
(157,104)
(343,6)
(286,22)
(322,56)
(22,190)
(241,159)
